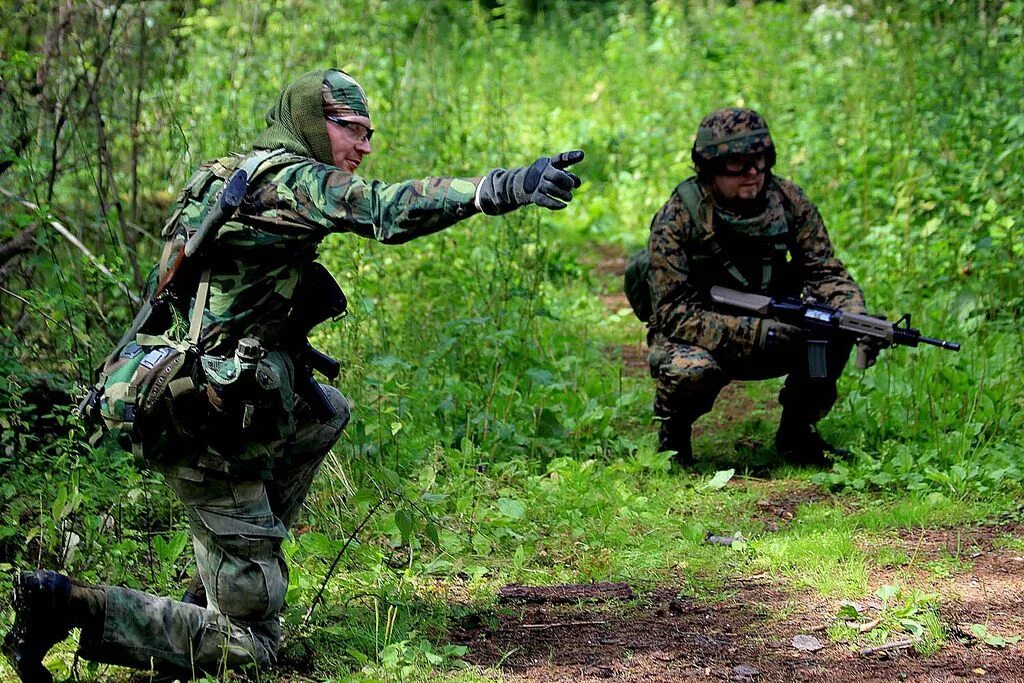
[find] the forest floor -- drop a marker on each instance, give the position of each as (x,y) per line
(749,630)
(824,586)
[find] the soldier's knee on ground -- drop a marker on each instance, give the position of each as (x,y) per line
(251,579)
(225,645)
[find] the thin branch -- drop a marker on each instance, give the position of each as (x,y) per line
(348,541)
(560,624)
(66,325)
(59,227)
(897,645)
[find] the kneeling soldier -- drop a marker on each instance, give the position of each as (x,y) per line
(214,384)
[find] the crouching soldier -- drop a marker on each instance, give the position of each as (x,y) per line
(737,225)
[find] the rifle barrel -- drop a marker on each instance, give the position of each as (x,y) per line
(941,343)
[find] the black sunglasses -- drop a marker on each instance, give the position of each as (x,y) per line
(737,166)
(363,133)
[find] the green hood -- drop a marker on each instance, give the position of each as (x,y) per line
(296,122)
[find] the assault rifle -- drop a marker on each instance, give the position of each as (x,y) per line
(823,323)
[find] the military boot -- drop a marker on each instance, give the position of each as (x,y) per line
(800,443)
(675,436)
(47,605)
(195,594)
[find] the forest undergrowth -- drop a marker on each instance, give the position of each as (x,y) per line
(498,435)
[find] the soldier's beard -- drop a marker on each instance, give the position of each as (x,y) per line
(746,208)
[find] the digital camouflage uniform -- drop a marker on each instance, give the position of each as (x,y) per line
(244,492)
(782,250)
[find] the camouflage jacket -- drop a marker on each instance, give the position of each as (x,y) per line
(293,202)
(684,268)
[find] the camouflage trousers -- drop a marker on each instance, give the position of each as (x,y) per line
(689,379)
(237,525)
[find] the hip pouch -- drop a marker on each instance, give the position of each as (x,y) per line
(251,400)
(151,395)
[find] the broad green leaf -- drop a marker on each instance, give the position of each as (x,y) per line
(887,592)
(721,478)
(511,508)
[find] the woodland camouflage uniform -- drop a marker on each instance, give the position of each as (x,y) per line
(242,498)
(243,485)
(781,250)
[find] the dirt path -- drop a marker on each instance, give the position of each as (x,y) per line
(614,632)
(749,635)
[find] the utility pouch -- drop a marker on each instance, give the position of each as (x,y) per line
(149,394)
(251,399)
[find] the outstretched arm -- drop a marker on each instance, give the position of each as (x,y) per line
(398,212)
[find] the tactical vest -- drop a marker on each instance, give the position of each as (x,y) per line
(713,260)
(155,389)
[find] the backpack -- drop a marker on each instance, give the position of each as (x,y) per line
(152,389)
(637,284)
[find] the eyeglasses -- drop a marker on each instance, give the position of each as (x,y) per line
(362,133)
(742,165)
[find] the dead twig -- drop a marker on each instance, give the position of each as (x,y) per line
(897,645)
(866,626)
(558,624)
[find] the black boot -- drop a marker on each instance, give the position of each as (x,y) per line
(42,619)
(47,605)
(195,594)
(799,442)
(674,436)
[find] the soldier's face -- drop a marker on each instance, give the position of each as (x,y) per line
(350,141)
(743,179)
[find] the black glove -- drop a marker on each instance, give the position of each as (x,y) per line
(545,183)
(774,336)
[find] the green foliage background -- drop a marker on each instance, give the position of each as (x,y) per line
(493,413)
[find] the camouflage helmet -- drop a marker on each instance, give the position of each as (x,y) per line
(730,132)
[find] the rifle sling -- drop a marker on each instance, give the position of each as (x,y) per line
(202,292)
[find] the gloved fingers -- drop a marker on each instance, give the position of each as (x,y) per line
(549,202)
(533,174)
(563,160)
(571,178)
(565,179)
(556,190)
